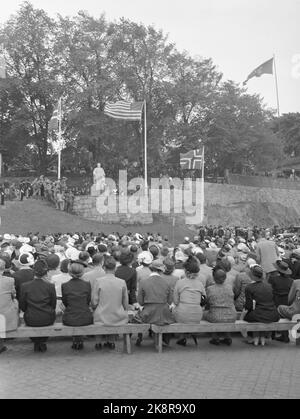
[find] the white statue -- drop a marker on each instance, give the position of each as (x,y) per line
(99,178)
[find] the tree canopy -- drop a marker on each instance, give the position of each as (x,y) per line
(88,61)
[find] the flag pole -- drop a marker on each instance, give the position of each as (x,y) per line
(202,202)
(145,147)
(276,85)
(59,141)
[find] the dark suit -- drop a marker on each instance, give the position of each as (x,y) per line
(265,310)
(129,276)
(281,286)
(76,297)
(21,277)
(38,301)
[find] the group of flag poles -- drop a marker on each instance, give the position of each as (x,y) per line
(134,112)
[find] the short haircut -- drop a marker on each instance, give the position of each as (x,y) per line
(97,259)
(110,263)
(192,265)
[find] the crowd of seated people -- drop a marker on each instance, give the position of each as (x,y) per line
(87,278)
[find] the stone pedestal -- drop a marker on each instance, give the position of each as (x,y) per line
(94,191)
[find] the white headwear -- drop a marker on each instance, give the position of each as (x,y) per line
(72,253)
(26,248)
(145,257)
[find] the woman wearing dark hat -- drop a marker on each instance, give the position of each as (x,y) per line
(259,304)
(76,297)
(189,296)
(220,299)
(281,285)
(38,301)
(128,274)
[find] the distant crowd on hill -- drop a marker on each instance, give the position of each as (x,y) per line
(57,192)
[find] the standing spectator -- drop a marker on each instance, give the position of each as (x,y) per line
(267,254)
(60,199)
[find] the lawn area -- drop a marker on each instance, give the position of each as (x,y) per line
(36,216)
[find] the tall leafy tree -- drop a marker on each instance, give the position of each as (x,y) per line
(28,42)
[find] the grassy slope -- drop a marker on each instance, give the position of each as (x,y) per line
(36,216)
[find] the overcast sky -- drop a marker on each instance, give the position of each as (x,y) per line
(238,35)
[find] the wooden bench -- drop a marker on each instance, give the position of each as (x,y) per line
(206,327)
(59,330)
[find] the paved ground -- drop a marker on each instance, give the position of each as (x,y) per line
(241,371)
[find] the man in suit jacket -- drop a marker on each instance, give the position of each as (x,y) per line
(267,254)
(38,301)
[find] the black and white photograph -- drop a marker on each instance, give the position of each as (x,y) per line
(150,202)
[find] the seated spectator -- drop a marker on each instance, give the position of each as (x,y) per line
(87,261)
(53,262)
(58,280)
(76,297)
(25,273)
(7,271)
(8,304)
(110,301)
(155,297)
(205,270)
(126,272)
(180,258)
(189,295)
(220,300)
(143,271)
(259,304)
(38,301)
(242,280)
(281,284)
(293,306)
(168,274)
(96,273)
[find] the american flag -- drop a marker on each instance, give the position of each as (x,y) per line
(191,160)
(124,110)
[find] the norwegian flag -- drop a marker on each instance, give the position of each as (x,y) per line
(191,160)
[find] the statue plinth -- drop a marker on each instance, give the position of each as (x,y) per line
(95,191)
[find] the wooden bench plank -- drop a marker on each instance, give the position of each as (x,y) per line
(59,329)
(206,327)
